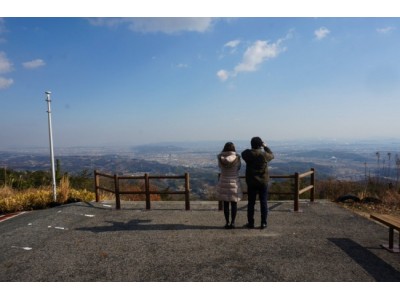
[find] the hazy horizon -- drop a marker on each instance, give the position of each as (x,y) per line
(377,144)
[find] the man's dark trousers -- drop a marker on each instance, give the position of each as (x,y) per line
(253,191)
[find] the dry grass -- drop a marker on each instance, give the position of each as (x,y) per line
(374,197)
(29,199)
(12,201)
(63,190)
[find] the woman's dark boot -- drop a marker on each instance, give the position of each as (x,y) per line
(226,214)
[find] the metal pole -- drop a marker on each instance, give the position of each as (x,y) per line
(53,171)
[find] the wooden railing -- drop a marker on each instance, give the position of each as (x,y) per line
(147,191)
(296,192)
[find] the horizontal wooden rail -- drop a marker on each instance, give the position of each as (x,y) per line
(306,189)
(105,189)
(166,177)
(130,177)
(306,174)
(104,175)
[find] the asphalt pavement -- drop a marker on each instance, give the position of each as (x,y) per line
(94,242)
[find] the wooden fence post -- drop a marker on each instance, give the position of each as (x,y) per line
(312,193)
(116,188)
(296,191)
(96,185)
(147,190)
(187,192)
(220,203)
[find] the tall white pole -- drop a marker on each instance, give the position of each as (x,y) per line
(53,170)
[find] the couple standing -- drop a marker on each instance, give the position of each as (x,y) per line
(229,189)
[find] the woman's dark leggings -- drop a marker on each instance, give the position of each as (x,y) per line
(233,211)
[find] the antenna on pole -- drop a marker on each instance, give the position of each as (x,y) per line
(53,172)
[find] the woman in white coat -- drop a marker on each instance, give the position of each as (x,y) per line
(229,189)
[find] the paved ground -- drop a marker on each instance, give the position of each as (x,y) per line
(94,242)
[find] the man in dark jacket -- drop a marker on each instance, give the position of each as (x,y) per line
(257,178)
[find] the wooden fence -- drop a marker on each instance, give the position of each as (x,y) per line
(147,191)
(296,192)
(116,188)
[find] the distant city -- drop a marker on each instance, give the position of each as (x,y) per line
(331,159)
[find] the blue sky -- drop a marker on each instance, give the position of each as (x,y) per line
(130,81)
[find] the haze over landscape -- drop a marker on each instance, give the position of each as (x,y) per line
(133,81)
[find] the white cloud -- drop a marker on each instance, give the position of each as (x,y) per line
(254,56)
(321,33)
(165,25)
(222,75)
(33,64)
(232,44)
(5,64)
(385,30)
(5,82)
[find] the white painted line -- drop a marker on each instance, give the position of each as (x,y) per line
(58,227)
(23,248)
(61,228)
(10,216)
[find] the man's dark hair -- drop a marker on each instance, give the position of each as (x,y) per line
(256,142)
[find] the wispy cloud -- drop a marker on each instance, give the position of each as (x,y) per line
(33,64)
(232,44)
(164,25)
(385,30)
(5,67)
(257,53)
(223,75)
(5,64)
(229,47)
(5,82)
(321,33)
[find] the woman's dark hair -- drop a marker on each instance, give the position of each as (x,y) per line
(229,147)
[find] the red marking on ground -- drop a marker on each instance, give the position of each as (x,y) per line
(9,216)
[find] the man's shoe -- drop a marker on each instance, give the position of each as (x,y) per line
(232,226)
(250,226)
(227,226)
(263,226)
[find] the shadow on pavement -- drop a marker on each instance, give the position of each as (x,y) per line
(376,267)
(141,225)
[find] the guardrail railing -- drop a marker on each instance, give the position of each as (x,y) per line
(296,192)
(147,191)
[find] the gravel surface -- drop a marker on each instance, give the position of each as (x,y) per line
(94,242)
